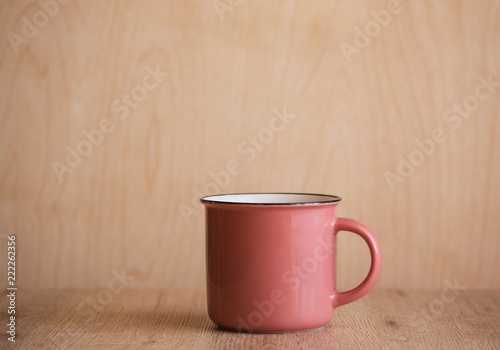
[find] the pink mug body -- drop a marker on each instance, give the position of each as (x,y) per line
(271,261)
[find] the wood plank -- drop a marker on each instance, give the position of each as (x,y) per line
(177,319)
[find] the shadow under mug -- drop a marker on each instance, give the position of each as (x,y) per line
(271,261)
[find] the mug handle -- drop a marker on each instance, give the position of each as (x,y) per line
(351,225)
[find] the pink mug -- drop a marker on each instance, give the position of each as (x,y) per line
(271,261)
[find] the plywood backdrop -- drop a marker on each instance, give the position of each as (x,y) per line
(169,92)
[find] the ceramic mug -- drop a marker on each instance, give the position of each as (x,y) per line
(271,261)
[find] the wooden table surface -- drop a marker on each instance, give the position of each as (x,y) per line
(177,319)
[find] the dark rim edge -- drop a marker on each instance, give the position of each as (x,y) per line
(336,200)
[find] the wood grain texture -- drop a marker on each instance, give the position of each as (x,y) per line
(177,319)
(120,207)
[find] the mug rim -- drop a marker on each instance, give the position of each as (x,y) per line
(319,198)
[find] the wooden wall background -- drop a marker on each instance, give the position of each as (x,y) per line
(119,208)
